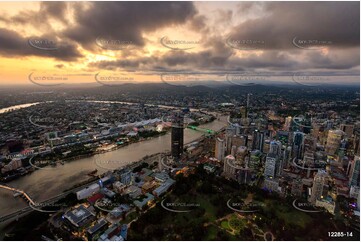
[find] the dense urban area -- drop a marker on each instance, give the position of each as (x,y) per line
(284,161)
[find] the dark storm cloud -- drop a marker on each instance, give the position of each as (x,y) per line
(126,21)
(41,17)
(139,63)
(13,44)
(213,60)
(57,10)
(337,22)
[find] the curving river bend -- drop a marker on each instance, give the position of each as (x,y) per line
(46,183)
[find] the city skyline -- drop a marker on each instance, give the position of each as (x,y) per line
(180,121)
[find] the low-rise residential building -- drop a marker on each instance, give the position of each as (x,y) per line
(160,176)
(164,187)
(99,227)
(141,203)
(133,191)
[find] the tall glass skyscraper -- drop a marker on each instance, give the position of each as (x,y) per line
(177,136)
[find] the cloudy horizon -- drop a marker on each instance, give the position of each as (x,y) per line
(309,42)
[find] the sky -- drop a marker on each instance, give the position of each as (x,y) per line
(48,43)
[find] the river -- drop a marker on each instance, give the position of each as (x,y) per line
(46,183)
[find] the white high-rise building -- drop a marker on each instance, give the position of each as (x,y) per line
(288,123)
(229,168)
(220,149)
(319,182)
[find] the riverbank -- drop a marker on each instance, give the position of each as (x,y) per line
(45,183)
(91,152)
(44,165)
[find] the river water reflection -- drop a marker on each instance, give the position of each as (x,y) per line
(46,183)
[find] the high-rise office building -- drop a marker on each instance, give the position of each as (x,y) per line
(258,140)
(288,122)
(286,157)
(220,149)
(319,182)
(241,155)
(356,143)
(270,166)
(177,136)
(297,144)
(334,138)
(230,132)
(297,187)
(276,148)
(244,176)
(355,172)
(317,129)
(255,159)
(229,168)
(243,112)
(234,150)
(347,129)
(309,143)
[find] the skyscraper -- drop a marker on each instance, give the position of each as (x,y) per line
(309,143)
(355,172)
(348,129)
(177,136)
(288,122)
(230,132)
(220,149)
(297,145)
(297,187)
(258,140)
(334,138)
(318,184)
(270,166)
(229,167)
(275,147)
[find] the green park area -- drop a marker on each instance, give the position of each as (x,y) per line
(196,209)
